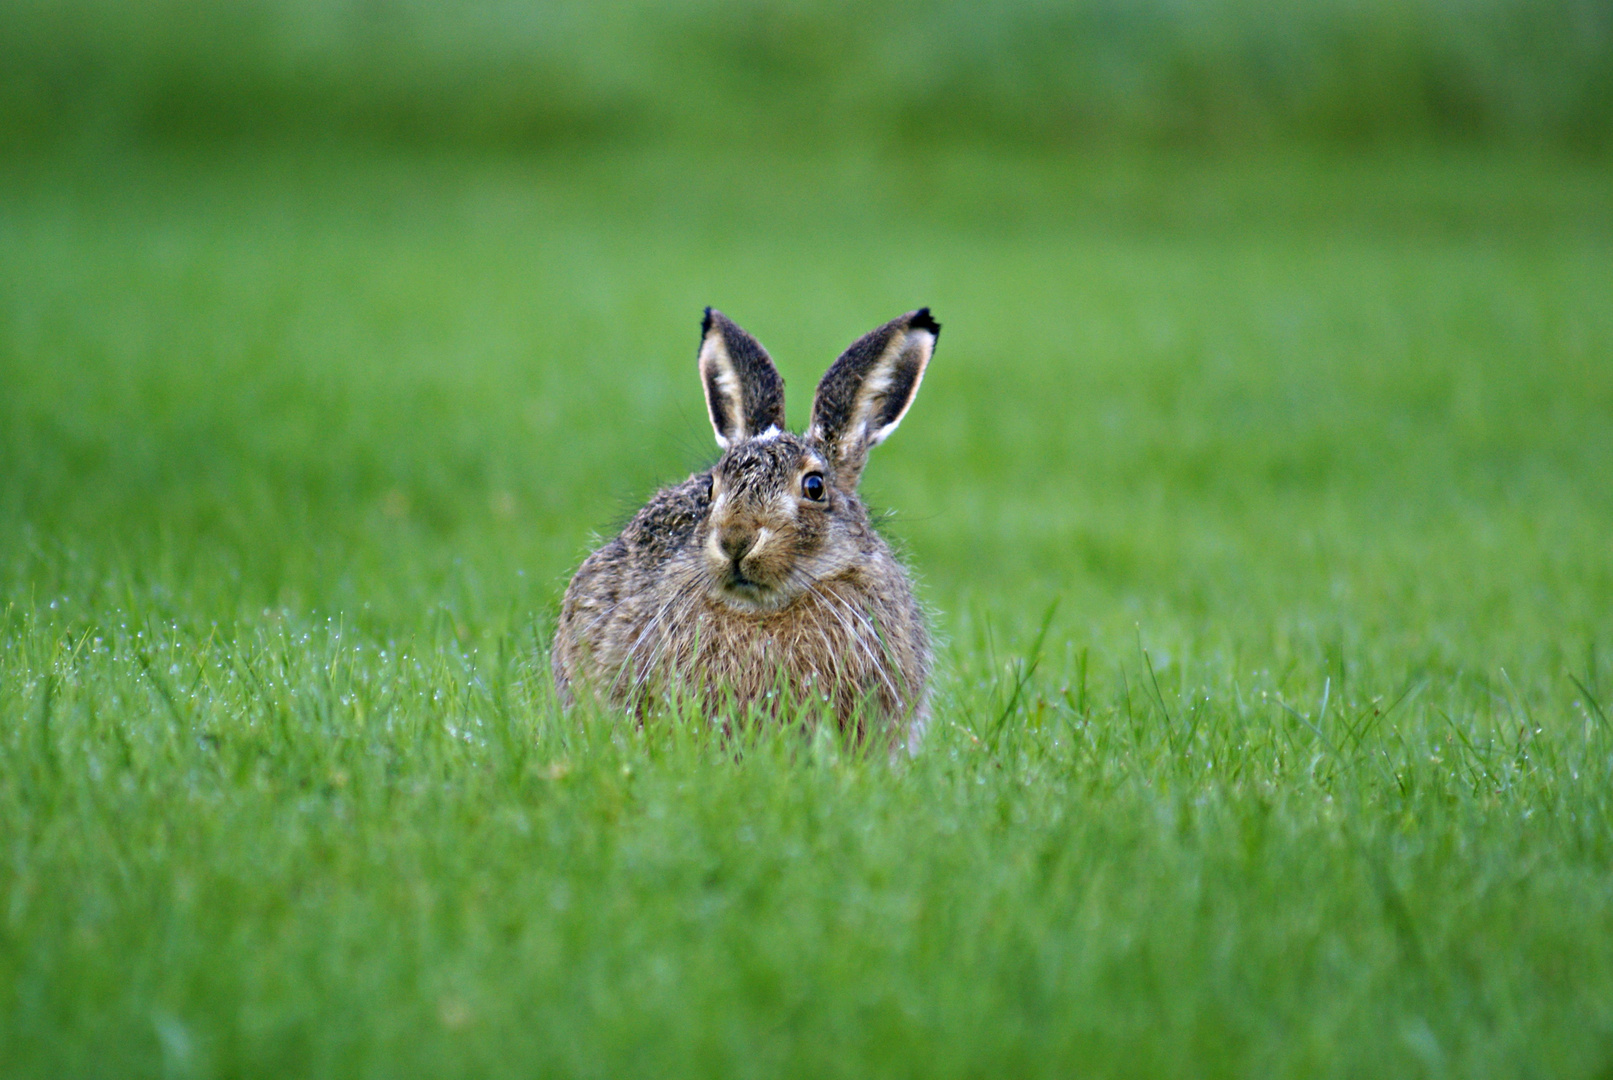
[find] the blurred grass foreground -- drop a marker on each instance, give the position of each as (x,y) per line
(1536,72)
(1277,353)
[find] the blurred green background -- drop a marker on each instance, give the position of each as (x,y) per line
(1218,73)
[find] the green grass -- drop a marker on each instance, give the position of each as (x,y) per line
(1311,775)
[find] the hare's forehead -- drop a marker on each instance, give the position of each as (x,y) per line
(765,463)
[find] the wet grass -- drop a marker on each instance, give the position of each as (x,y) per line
(1308,775)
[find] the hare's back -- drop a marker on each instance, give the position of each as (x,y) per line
(628,573)
(667,523)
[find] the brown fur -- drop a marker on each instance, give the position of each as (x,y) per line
(735,587)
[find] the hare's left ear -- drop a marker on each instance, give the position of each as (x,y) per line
(866,392)
(744,393)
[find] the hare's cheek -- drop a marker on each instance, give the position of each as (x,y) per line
(811,533)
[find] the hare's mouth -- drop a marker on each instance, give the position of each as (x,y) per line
(748,594)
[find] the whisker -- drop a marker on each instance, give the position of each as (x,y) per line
(880,663)
(644,667)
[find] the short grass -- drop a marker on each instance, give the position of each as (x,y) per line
(1306,460)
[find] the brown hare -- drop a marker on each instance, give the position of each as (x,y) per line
(760,582)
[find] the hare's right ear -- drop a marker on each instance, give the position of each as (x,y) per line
(744,393)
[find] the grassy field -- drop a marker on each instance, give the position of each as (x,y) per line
(1310,775)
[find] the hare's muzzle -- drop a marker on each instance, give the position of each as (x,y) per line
(736,544)
(740,565)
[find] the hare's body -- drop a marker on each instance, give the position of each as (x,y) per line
(857,639)
(761,582)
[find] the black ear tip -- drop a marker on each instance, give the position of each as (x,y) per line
(705,324)
(923,320)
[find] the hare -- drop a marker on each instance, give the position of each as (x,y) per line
(761,582)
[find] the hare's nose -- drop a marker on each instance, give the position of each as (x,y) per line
(736,545)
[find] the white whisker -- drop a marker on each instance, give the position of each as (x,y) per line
(835,605)
(643,666)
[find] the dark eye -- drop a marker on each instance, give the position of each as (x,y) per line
(812,486)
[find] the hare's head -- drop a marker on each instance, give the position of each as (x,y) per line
(784,508)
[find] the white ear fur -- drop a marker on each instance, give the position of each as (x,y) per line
(721,386)
(744,394)
(914,355)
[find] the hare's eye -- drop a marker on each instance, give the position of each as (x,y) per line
(812,486)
